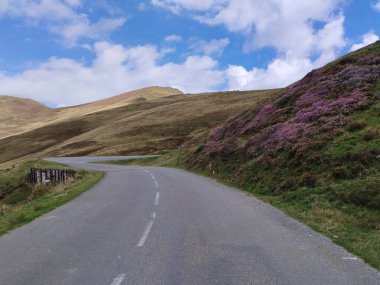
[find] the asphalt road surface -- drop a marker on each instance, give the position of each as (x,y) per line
(146,225)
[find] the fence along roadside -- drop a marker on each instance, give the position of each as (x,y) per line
(50,175)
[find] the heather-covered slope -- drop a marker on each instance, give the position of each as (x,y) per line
(314,151)
(298,126)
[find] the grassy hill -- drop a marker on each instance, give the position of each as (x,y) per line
(143,126)
(16,112)
(324,127)
(18,115)
(313,151)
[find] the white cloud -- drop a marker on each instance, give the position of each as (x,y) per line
(367,39)
(279,73)
(177,6)
(115,69)
(285,25)
(74,3)
(376,6)
(214,46)
(142,7)
(299,30)
(82,27)
(59,17)
(173,38)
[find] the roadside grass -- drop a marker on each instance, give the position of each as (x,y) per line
(20,202)
(169,159)
(355,227)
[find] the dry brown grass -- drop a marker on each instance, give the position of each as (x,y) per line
(138,128)
(18,115)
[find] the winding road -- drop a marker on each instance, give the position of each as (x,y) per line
(146,225)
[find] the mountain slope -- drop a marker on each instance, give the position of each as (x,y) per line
(137,128)
(139,95)
(299,125)
(148,93)
(15,112)
(19,115)
(313,151)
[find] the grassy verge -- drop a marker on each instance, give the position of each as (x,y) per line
(169,159)
(354,227)
(21,202)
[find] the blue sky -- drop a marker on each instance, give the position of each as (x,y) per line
(69,52)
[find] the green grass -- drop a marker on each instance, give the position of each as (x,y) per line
(365,138)
(147,161)
(354,226)
(169,159)
(26,202)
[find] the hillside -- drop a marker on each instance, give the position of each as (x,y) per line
(19,115)
(313,151)
(139,95)
(141,127)
(15,112)
(327,120)
(143,94)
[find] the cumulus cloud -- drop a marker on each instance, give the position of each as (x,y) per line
(298,29)
(367,39)
(115,69)
(214,46)
(285,25)
(177,6)
(173,38)
(376,6)
(279,73)
(61,18)
(82,27)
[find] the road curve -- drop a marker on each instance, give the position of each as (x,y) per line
(146,225)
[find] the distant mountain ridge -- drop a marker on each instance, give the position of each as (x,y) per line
(15,113)
(22,114)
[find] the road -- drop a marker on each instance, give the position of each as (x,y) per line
(146,225)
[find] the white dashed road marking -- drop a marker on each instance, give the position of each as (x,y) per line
(157,200)
(147,230)
(118,279)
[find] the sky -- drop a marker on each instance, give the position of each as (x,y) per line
(68,52)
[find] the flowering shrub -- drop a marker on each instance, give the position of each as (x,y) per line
(316,105)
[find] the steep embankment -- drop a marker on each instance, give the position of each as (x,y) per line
(325,126)
(314,151)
